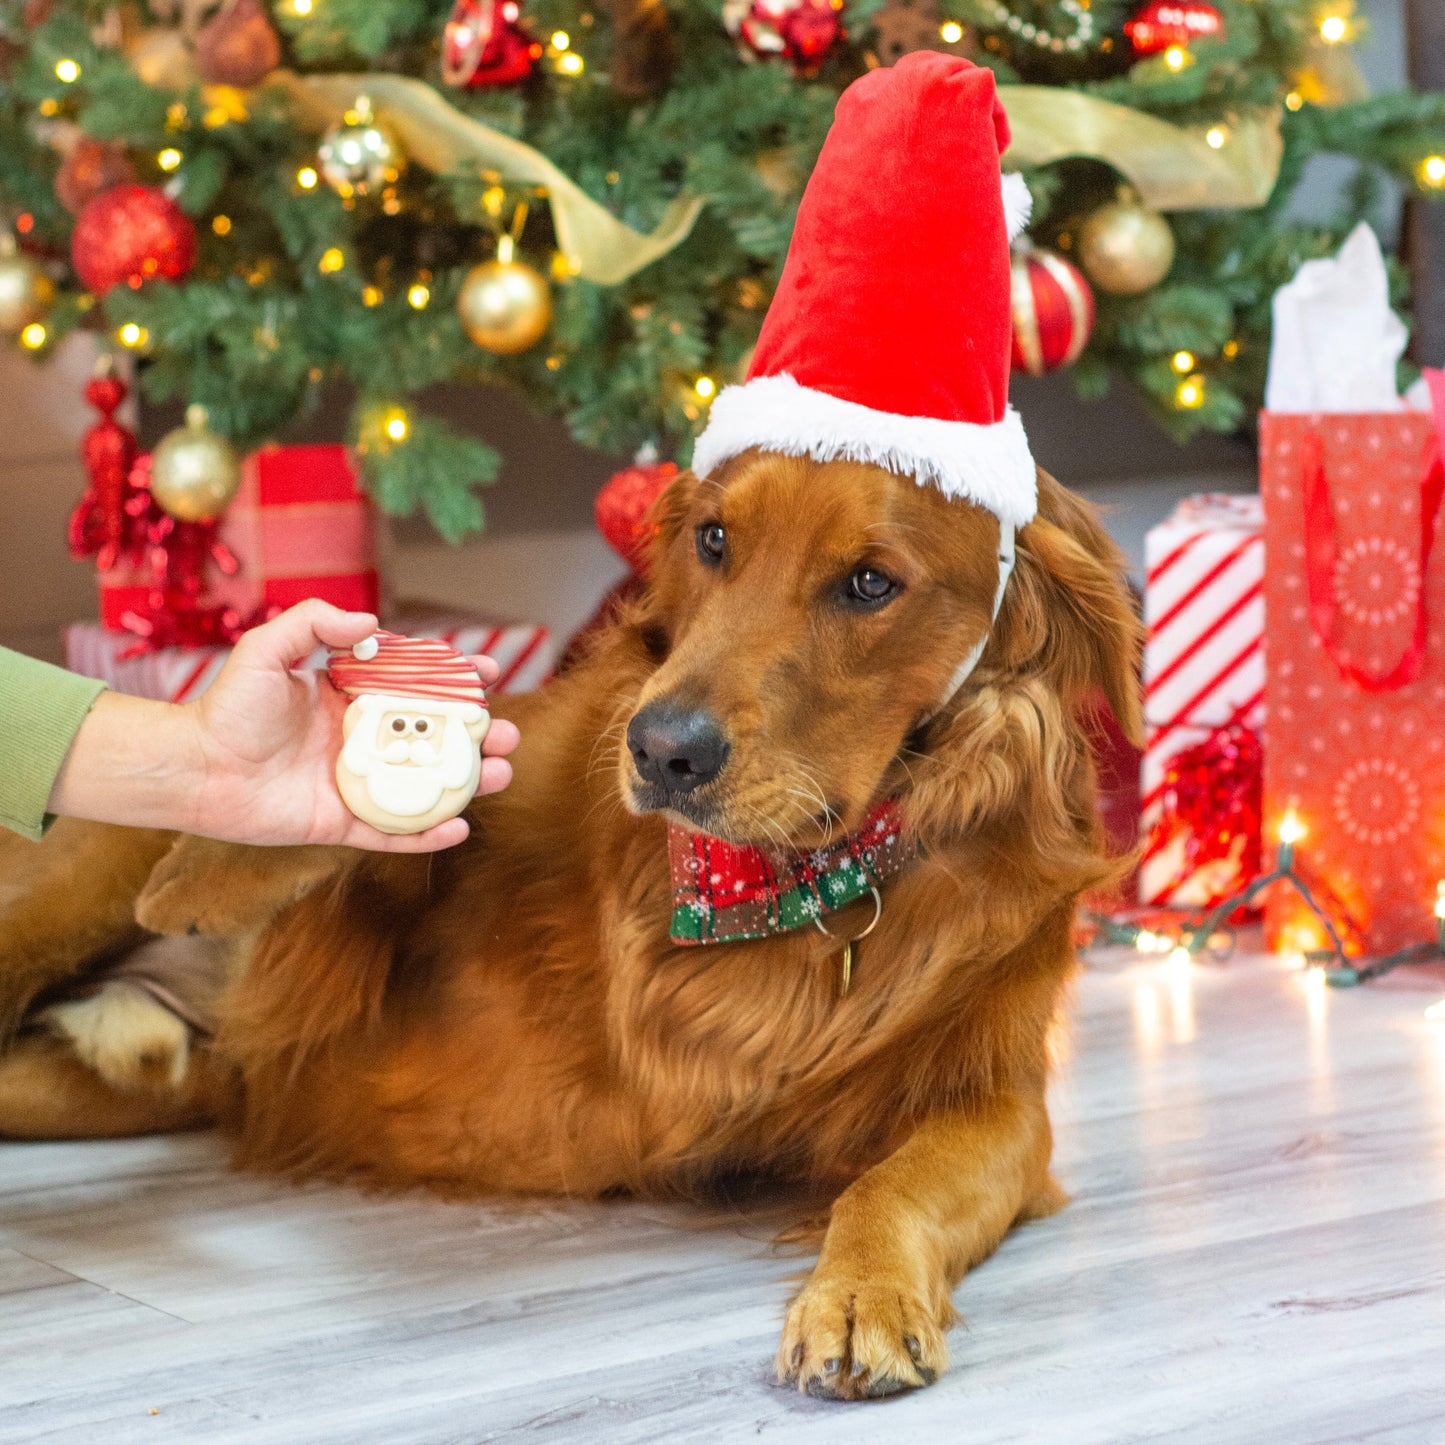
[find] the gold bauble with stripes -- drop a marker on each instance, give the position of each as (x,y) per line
(1125,248)
(1053,311)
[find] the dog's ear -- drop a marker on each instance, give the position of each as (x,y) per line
(1071,609)
(669,513)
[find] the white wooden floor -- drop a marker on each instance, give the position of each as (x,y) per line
(1256,1252)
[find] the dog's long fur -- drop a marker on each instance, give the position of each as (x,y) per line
(511,1015)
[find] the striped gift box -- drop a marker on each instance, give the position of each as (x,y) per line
(525,651)
(1203,664)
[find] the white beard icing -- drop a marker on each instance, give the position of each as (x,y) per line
(407,778)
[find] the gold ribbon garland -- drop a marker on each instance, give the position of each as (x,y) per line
(1172,169)
(597,246)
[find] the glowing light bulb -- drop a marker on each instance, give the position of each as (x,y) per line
(705,387)
(169,158)
(570,63)
(1291,829)
(560,40)
(221,225)
(1144,941)
(418,295)
(306,178)
(1176,57)
(301,7)
(1189,395)
(33,337)
(132,335)
(950,32)
(1294,101)
(1333,29)
(67,71)
(49,106)
(1432,172)
(1183,362)
(1216,135)
(332,260)
(395,424)
(371,295)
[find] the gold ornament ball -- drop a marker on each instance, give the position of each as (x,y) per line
(359,156)
(1125,248)
(505,306)
(194,472)
(25,289)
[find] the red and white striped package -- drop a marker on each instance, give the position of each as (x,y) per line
(1203,671)
(525,651)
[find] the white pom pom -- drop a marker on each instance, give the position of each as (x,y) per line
(1018,204)
(366,649)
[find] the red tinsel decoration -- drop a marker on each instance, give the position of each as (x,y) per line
(111,520)
(803,31)
(131,234)
(177,612)
(1214,795)
(484,45)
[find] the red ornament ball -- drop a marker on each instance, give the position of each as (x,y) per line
(1162,23)
(484,44)
(802,31)
(624,505)
(131,234)
(1053,312)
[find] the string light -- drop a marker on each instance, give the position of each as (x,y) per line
(560,40)
(169,158)
(950,32)
(34,336)
(300,7)
(132,334)
(332,260)
(371,295)
(705,387)
(49,106)
(1183,362)
(1216,136)
(570,63)
(418,295)
(1189,394)
(1333,29)
(1294,101)
(1230,349)
(1432,172)
(1176,57)
(396,424)
(221,225)
(67,71)
(306,178)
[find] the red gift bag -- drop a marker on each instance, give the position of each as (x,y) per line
(1355,669)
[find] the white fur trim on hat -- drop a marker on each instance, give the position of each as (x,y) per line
(1018,204)
(990,465)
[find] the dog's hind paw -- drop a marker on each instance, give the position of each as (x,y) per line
(125,1035)
(850,1340)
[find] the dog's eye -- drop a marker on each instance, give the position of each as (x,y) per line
(711,543)
(397,725)
(868,587)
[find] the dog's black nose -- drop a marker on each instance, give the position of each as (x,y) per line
(678,748)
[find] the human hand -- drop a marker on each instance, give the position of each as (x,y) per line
(267,735)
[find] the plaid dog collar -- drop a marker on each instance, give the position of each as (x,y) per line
(722,892)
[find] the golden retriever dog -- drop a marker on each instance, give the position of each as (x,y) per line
(513,1016)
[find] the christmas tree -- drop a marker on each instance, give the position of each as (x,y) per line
(592,204)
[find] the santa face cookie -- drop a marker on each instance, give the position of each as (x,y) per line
(413,733)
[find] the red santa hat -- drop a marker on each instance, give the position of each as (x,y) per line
(890,335)
(407,668)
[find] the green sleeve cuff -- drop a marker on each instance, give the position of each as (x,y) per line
(41,710)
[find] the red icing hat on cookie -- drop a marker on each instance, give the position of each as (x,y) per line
(424,668)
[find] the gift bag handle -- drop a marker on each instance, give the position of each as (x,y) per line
(1320,553)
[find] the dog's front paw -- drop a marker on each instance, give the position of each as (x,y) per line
(856,1340)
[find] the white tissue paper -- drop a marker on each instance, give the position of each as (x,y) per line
(1335,341)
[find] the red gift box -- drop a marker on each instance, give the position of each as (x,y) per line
(1355,677)
(300,527)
